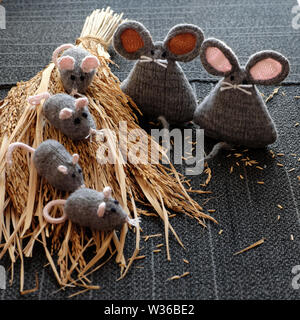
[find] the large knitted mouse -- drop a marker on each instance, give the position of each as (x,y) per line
(234,111)
(157,83)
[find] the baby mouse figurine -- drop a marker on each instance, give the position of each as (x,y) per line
(54,163)
(92,209)
(234,111)
(66,113)
(77,67)
(157,83)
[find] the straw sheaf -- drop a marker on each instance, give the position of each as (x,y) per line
(23,194)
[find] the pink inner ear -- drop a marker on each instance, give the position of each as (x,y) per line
(89,63)
(81,103)
(266,69)
(216,58)
(66,63)
(65,113)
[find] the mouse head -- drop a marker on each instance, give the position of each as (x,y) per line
(77,67)
(69,174)
(263,68)
(111,206)
(133,41)
(77,114)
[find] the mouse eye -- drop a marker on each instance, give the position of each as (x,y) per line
(72,77)
(79,170)
(73,175)
(113,210)
(82,78)
(244,82)
(76,120)
(152,52)
(84,114)
(232,78)
(164,54)
(116,202)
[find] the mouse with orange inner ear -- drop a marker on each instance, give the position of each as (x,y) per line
(157,83)
(54,163)
(77,67)
(92,209)
(66,113)
(234,112)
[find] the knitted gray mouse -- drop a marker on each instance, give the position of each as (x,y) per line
(54,163)
(77,67)
(93,209)
(157,83)
(66,113)
(234,112)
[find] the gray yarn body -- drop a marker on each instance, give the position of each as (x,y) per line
(82,206)
(160,91)
(48,156)
(81,85)
(235,117)
(78,126)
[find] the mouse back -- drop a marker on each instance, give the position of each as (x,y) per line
(82,207)
(58,166)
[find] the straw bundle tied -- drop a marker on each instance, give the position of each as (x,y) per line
(23,194)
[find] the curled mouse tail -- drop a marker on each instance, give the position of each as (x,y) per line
(48,206)
(134,222)
(166,130)
(216,149)
(12,147)
(35,100)
(60,49)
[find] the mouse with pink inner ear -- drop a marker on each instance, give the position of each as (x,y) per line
(66,113)
(234,111)
(157,83)
(53,162)
(77,67)
(92,209)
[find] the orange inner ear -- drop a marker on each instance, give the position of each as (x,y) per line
(131,40)
(182,43)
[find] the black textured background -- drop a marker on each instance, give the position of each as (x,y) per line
(245,210)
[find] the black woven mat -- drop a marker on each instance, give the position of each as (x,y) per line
(246,211)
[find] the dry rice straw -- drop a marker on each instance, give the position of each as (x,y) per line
(23,194)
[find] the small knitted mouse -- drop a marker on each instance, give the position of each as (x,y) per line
(77,67)
(66,113)
(234,112)
(157,83)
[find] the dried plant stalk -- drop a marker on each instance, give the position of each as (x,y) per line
(23,194)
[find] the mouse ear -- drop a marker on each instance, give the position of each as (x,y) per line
(267,67)
(107,192)
(183,42)
(101,209)
(65,113)
(131,40)
(75,158)
(217,58)
(62,169)
(35,100)
(81,103)
(66,63)
(89,64)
